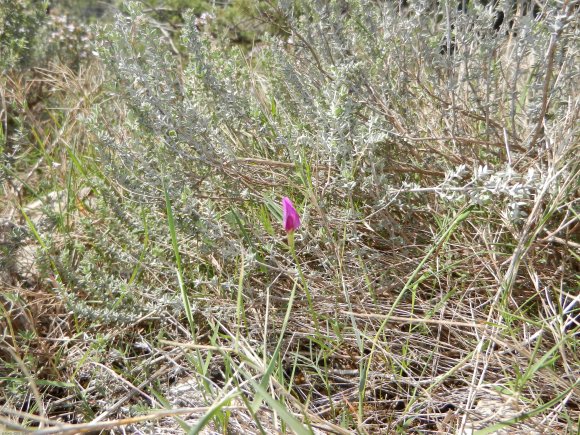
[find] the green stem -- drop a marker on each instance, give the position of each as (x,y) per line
(302,279)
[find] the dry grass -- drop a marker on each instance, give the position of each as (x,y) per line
(435,283)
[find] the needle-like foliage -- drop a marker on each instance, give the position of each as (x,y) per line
(429,285)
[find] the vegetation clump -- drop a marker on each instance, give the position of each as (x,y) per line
(427,160)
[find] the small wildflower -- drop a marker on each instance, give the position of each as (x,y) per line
(290,217)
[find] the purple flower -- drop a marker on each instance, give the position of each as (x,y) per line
(290,217)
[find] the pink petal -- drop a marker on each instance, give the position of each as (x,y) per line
(290,217)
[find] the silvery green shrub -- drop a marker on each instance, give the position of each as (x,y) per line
(360,90)
(20,23)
